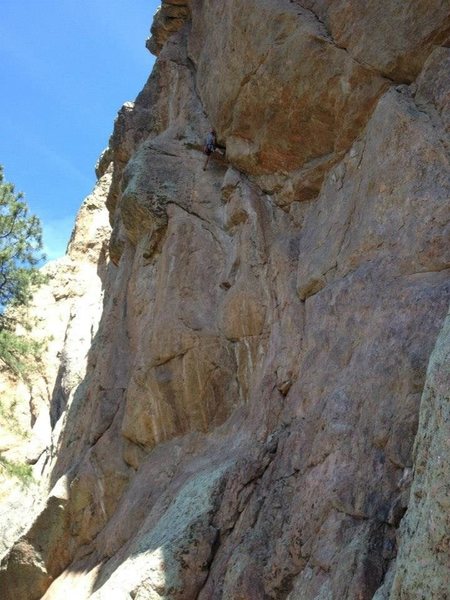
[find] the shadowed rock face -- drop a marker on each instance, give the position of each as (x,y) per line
(246,424)
(66,311)
(425,530)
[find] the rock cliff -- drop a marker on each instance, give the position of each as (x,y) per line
(254,418)
(65,313)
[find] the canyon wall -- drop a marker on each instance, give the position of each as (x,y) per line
(64,313)
(254,418)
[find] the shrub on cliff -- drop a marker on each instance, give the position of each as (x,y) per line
(20,255)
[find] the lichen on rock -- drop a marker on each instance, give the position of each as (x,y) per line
(254,418)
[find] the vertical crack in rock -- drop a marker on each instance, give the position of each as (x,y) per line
(251,415)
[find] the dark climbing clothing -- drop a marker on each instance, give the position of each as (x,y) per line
(210,144)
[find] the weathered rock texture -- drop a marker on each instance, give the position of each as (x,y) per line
(246,423)
(422,569)
(66,312)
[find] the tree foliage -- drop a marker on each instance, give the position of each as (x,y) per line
(20,471)
(20,256)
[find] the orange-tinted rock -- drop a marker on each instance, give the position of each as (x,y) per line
(246,424)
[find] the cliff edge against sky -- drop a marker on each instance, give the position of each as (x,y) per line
(261,412)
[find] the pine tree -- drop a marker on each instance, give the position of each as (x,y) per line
(20,255)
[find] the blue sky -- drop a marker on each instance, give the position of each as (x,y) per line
(66,67)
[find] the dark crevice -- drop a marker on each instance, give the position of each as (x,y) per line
(332,40)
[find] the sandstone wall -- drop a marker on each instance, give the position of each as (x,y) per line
(246,423)
(65,311)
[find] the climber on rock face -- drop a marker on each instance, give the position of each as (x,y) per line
(211,146)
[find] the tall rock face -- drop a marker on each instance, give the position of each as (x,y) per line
(248,423)
(65,311)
